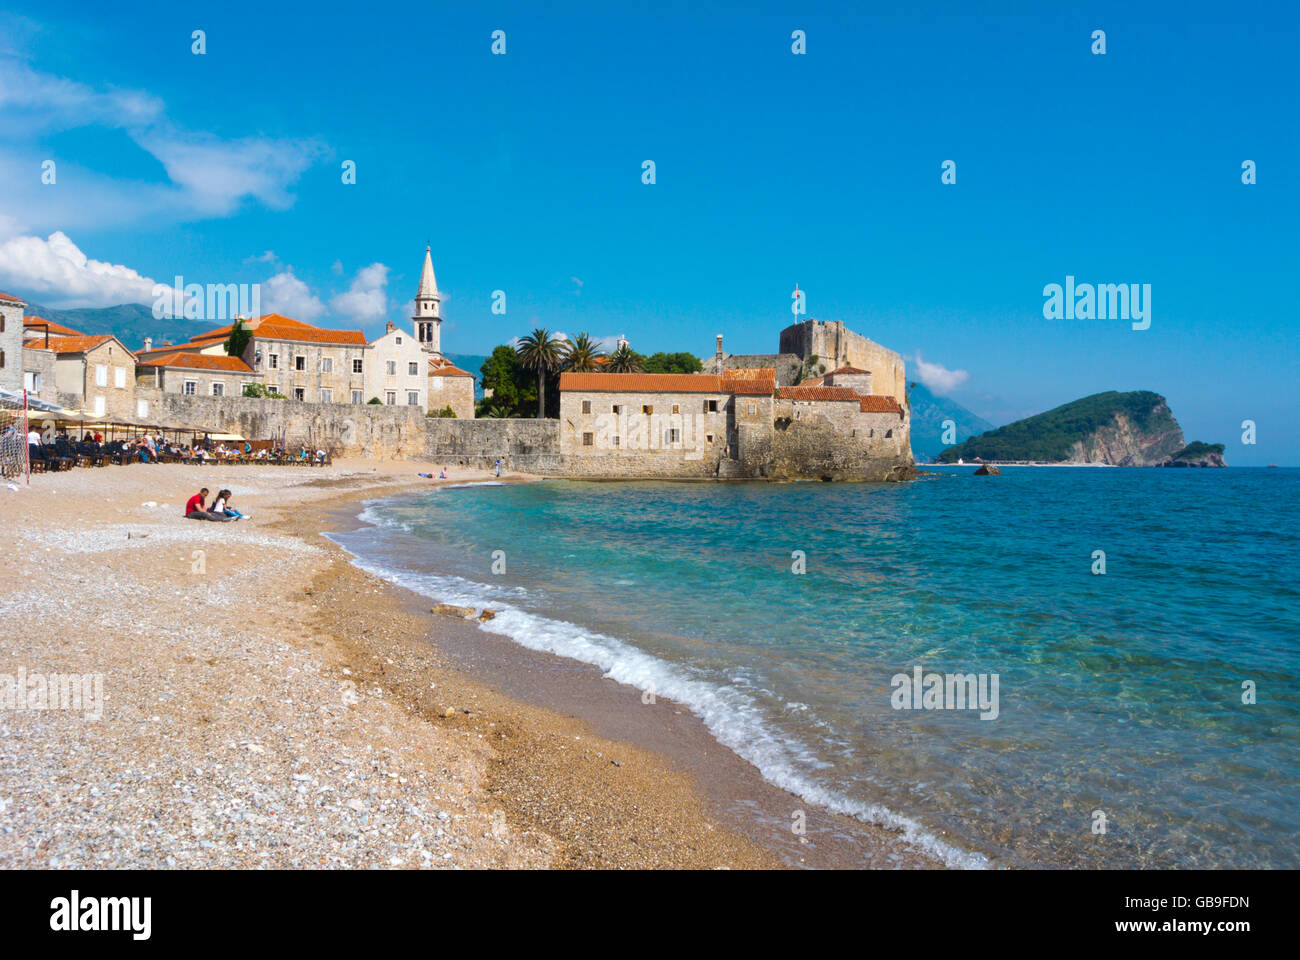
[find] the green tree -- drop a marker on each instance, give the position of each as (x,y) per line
(672,363)
(581,354)
(375,401)
(513,390)
(260,391)
(626,360)
(542,353)
(446,413)
(237,342)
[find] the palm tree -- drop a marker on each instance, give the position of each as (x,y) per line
(541,352)
(623,360)
(580,357)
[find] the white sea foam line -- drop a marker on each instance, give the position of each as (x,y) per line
(732,718)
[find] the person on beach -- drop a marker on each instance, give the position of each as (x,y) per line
(223,508)
(498,467)
(443,474)
(194,508)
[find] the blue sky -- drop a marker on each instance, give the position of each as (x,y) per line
(524,172)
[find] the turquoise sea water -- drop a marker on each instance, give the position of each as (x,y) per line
(1119,692)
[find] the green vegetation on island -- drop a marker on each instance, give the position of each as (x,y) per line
(1196,450)
(1049,437)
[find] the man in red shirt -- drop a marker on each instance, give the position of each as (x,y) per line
(194,508)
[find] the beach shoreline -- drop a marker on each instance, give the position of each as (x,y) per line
(540,761)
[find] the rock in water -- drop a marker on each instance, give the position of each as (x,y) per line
(487,614)
(988,470)
(450,610)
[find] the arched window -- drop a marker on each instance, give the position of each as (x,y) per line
(888,434)
(2,359)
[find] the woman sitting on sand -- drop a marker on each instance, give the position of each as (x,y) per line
(222,506)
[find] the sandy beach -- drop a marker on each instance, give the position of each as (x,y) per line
(267,704)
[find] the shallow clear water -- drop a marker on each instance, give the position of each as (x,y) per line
(1119,692)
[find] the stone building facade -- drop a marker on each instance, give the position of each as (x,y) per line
(196,375)
(97,373)
(450,386)
(397,370)
(11,342)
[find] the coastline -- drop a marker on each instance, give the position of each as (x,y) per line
(539,765)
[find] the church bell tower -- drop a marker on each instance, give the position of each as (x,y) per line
(428,321)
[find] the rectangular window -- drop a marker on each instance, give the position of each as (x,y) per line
(218,388)
(32,381)
(647,409)
(392,368)
(327,365)
(586,406)
(119,378)
(300,362)
(142,408)
(101,375)
(413,368)
(390,397)
(327,396)
(273,361)
(708,438)
(618,408)
(356,367)
(710,406)
(412,398)
(437,383)
(191,387)
(587,439)
(99,406)
(299,394)
(273,387)
(399,340)
(356,397)
(676,409)
(616,441)
(243,387)
(672,436)
(752,408)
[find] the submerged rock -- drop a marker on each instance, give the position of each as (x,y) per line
(451,610)
(487,614)
(988,470)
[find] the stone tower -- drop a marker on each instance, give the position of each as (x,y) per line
(428,320)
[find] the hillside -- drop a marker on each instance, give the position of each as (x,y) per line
(1133,429)
(928,415)
(129,322)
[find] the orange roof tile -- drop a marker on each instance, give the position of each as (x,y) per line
(199,361)
(749,382)
(801,392)
(6,297)
(642,382)
(445,368)
(879,404)
(37,325)
(72,344)
(848,370)
(273,326)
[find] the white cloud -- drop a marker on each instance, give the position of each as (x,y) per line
(938,378)
(267,257)
(206,176)
(366,300)
(57,268)
(288,296)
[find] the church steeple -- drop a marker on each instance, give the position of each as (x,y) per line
(428,320)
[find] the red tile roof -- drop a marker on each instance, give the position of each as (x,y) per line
(753,383)
(801,392)
(78,344)
(848,370)
(743,382)
(445,368)
(199,361)
(812,382)
(35,327)
(8,299)
(642,382)
(879,404)
(273,326)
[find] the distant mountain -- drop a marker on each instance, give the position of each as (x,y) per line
(928,415)
(1133,429)
(129,322)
